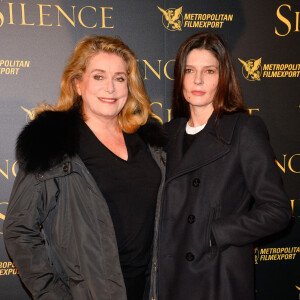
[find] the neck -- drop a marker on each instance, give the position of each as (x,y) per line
(199,116)
(103,125)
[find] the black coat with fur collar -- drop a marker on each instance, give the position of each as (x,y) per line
(52,135)
(58,229)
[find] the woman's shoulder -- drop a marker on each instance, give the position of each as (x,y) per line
(44,141)
(174,125)
(250,121)
(241,119)
(153,132)
(245,125)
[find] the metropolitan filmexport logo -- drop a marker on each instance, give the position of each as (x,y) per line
(172,18)
(254,70)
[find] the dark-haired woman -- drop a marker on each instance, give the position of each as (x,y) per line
(223,190)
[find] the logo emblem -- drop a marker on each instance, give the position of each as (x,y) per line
(29,114)
(2,215)
(172,18)
(251,69)
(256,255)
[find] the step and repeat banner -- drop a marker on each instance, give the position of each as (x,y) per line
(37,37)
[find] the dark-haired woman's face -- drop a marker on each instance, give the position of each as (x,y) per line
(201,79)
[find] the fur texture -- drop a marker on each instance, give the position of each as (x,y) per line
(51,136)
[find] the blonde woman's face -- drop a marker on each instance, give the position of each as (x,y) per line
(103,87)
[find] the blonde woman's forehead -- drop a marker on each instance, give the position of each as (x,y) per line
(107,62)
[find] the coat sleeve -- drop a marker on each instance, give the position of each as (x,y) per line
(272,209)
(24,241)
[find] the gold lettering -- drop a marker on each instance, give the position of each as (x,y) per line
(80,18)
(280,166)
(152,69)
(187,16)
(23,15)
(71,21)
(264,251)
(165,69)
(292,205)
(3,173)
(283,20)
(154,113)
(297,21)
(43,14)
(11,18)
(1,19)
(252,109)
(169,110)
(104,17)
(267,67)
(13,168)
(290,163)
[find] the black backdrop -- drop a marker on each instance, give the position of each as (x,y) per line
(37,37)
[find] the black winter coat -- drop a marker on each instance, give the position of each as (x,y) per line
(225,189)
(58,229)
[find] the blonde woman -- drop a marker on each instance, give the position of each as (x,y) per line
(81,214)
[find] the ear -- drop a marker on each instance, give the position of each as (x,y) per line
(77,86)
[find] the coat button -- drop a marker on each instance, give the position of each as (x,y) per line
(65,168)
(40,176)
(191,219)
(189,256)
(196,182)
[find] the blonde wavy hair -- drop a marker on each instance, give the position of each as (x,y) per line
(137,107)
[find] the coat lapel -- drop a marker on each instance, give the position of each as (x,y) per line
(174,148)
(209,146)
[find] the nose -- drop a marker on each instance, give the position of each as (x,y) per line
(110,86)
(198,79)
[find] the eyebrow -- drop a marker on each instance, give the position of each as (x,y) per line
(209,66)
(103,71)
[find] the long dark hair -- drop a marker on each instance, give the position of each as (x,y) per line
(228,96)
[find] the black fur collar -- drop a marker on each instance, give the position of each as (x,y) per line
(46,140)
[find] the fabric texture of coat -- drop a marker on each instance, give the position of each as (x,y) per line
(220,196)
(58,229)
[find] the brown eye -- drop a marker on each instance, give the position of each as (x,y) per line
(120,79)
(188,71)
(98,77)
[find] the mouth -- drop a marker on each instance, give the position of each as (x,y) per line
(107,100)
(198,93)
